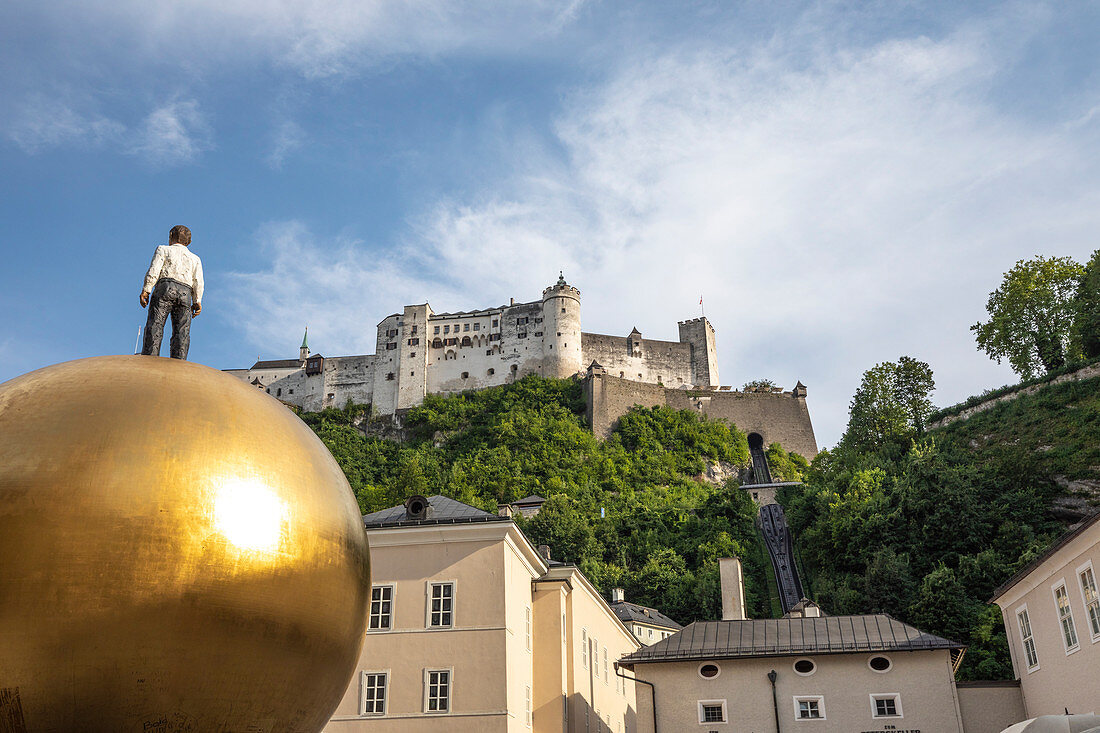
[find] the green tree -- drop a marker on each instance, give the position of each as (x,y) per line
(1087,306)
(561,526)
(758,384)
(1031,316)
(892,402)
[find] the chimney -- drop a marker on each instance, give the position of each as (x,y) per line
(544,552)
(618,595)
(511,301)
(733,589)
(504,510)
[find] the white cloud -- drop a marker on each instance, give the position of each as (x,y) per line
(834,212)
(323,37)
(43,122)
(171,134)
(287,137)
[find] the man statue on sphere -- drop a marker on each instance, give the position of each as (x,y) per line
(174,281)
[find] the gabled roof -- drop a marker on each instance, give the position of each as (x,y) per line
(444,511)
(782,637)
(633,613)
(635,331)
(276,364)
(530,501)
(1059,544)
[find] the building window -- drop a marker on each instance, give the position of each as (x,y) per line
(465,326)
(584,648)
(447,329)
(804,667)
(391,346)
(391,332)
(527,707)
(412,353)
(605,666)
(521,335)
(1065,617)
(413,330)
(522,321)
(527,626)
(539,333)
(437,690)
(436,331)
(477,326)
(595,658)
(491,371)
(414,341)
(1092,600)
(886,706)
(441,600)
(712,711)
(810,707)
(372,698)
(381,607)
(494,323)
(538,320)
(389,377)
(279,392)
(465,375)
(1024,622)
(880,664)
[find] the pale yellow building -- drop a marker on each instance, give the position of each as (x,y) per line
(1051,612)
(472,629)
(647,624)
(805,674)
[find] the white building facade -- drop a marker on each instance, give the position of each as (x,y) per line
(420,352)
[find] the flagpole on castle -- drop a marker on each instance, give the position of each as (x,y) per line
(701,311)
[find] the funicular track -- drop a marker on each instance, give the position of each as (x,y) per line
(778,540)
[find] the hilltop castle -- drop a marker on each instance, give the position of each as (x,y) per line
(421,352)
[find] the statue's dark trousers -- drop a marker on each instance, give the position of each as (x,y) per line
(175,298)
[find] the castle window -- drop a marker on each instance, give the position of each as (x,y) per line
(494,337)
(391,346)
(437,343)
(446,329)
(331,395)
(414,342)
(413,329)
(279,393)
(412,354)
(538,320)
(559,333)
(465,326)
(291,391)
(436,329)
(477,326)
(521,335)
(563,310)
(491,371)
(412,374)
(389,377)
(465,375)
(538,333)
(621,375)
(515,367)
(488,352)
(522,321)
(466,341)
(391,332)
(494,323)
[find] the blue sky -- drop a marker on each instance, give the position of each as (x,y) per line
(843,183)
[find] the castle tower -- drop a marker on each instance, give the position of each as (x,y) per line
(561,340)
(303,351)
(704,353)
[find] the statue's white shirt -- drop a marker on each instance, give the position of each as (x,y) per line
(176,262)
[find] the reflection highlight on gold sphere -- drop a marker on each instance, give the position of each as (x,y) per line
(178,552)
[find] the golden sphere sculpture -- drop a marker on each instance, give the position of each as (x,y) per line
(178,552)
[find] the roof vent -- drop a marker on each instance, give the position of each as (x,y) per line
(417,507)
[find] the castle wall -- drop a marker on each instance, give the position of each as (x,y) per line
(348,379)
(778,417)
(665,362)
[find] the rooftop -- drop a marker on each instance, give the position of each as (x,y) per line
(277,364)
(444,511)
(1059,544)
(633,613)
(790,637)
